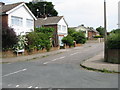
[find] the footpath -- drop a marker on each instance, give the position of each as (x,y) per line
(31,57)
(97,63)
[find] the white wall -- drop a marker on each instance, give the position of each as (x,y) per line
(62,23)
(23,13)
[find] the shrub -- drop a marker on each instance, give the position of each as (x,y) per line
(113,41)
(20,44)
(40,39)
(68,40)
(9,38)
(79,37)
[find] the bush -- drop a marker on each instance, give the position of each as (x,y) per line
(40,39)
(20,45)
(113,41)
(68,40)
(9,38)
(79,37)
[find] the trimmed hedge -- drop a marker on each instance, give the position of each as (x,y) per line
(113,41)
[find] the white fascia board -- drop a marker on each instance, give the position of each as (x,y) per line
(22,4)
(64,21)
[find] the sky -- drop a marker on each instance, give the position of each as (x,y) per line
(87,12)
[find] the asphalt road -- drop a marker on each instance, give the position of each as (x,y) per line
(58,71)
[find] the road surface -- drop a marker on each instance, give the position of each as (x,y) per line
(58,71)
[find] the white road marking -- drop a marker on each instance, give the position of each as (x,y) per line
(46,63)
(74,53)
(9,84)
(36,87)
(8,63)
(14,72)
(17,85)
(54,60)
(30,87)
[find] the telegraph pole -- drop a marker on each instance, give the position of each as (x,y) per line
(105,33)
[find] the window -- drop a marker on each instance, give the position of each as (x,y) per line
(17,21)
(29,23)
(64,28)
(59,27)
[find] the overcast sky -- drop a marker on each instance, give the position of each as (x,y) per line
(87,12)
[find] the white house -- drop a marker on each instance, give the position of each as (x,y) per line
(89,32)
(19,17)
(119,14)
(58,23)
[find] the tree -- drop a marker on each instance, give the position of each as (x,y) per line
(9,38)
(39,10)
(100,30)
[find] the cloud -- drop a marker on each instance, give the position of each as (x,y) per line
(89,12)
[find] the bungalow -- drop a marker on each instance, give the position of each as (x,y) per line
(17,16)
(56,22)
(89,32)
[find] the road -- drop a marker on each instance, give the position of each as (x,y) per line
(58,71)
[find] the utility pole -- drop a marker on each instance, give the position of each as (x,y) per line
(44,9)
(105,33)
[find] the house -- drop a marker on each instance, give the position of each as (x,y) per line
(82,28)
(89,32)
(17,16)
(56,22)
(119,14)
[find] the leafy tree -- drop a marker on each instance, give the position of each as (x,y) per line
(49,9)
(68,40)
(9,38)
(100,30)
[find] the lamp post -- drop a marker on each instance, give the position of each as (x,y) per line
(105,33)
(44,9)
(37,13)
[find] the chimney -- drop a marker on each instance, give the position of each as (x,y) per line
(1,4)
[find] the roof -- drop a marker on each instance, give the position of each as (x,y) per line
(48,20)
(6,8)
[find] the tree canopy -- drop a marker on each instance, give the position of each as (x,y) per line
(100,30)
(40,9)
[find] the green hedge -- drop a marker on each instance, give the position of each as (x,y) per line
(113,41)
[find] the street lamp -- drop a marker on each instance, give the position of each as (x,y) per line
(44,9)
(105,33)
(37,12)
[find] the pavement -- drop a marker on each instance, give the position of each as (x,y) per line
(97,63)
(31,57)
